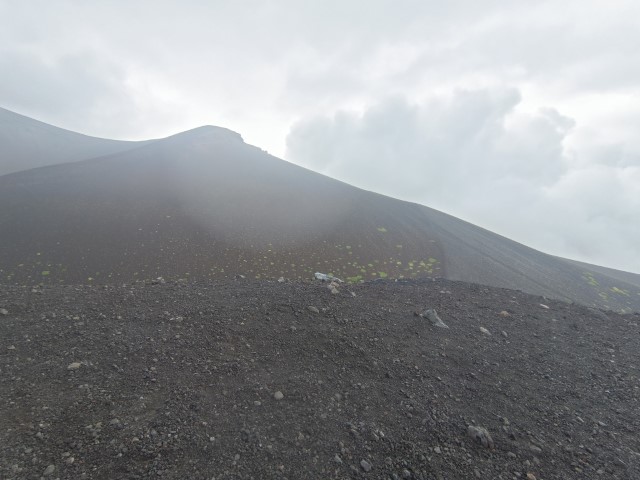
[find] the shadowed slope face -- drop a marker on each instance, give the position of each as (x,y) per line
(203,204)
(26,143)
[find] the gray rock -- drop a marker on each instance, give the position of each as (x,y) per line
(485,331)
(49,470)
(4,311)
(313,309)
(535,449)
(366,466)
(74,366)
(431,315)
(481,435)
(278,395)
(437,450)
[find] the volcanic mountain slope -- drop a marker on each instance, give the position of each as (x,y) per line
(203,204)
(26,143)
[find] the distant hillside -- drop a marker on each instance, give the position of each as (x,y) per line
(203,204)
(26,143)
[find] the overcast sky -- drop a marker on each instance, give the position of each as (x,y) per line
(522,116)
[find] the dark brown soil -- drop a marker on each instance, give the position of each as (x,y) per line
(179,381)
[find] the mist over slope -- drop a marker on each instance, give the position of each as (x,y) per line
(26,143)
(204,205)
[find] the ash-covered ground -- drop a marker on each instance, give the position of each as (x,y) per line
(287,380)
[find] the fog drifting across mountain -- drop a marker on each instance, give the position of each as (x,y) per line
(478,156)
(204,205)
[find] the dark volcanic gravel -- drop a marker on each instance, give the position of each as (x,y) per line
(244,380)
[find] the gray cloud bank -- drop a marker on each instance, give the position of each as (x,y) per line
(475,155)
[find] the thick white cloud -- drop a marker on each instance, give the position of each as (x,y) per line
(531,99)
(475,155)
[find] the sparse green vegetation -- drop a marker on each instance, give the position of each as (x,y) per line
(588,276)
(619,291)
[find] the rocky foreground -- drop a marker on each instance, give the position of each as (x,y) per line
(290,381)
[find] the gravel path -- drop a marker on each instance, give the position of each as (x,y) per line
(244,380)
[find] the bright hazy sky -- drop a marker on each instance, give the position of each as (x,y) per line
(519,116)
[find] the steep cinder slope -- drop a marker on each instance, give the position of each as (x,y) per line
(26,143)
(203,204)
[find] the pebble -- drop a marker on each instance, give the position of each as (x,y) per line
(535,449)
(4,311)
(504,313)
(437,450)
(531,476)
(74,366)
(49,470)
(504,334)
(366,466)
(337,459)
(485,331)
(278,395)
(313,309)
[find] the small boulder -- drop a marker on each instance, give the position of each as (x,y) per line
(481,435)
(431,315)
